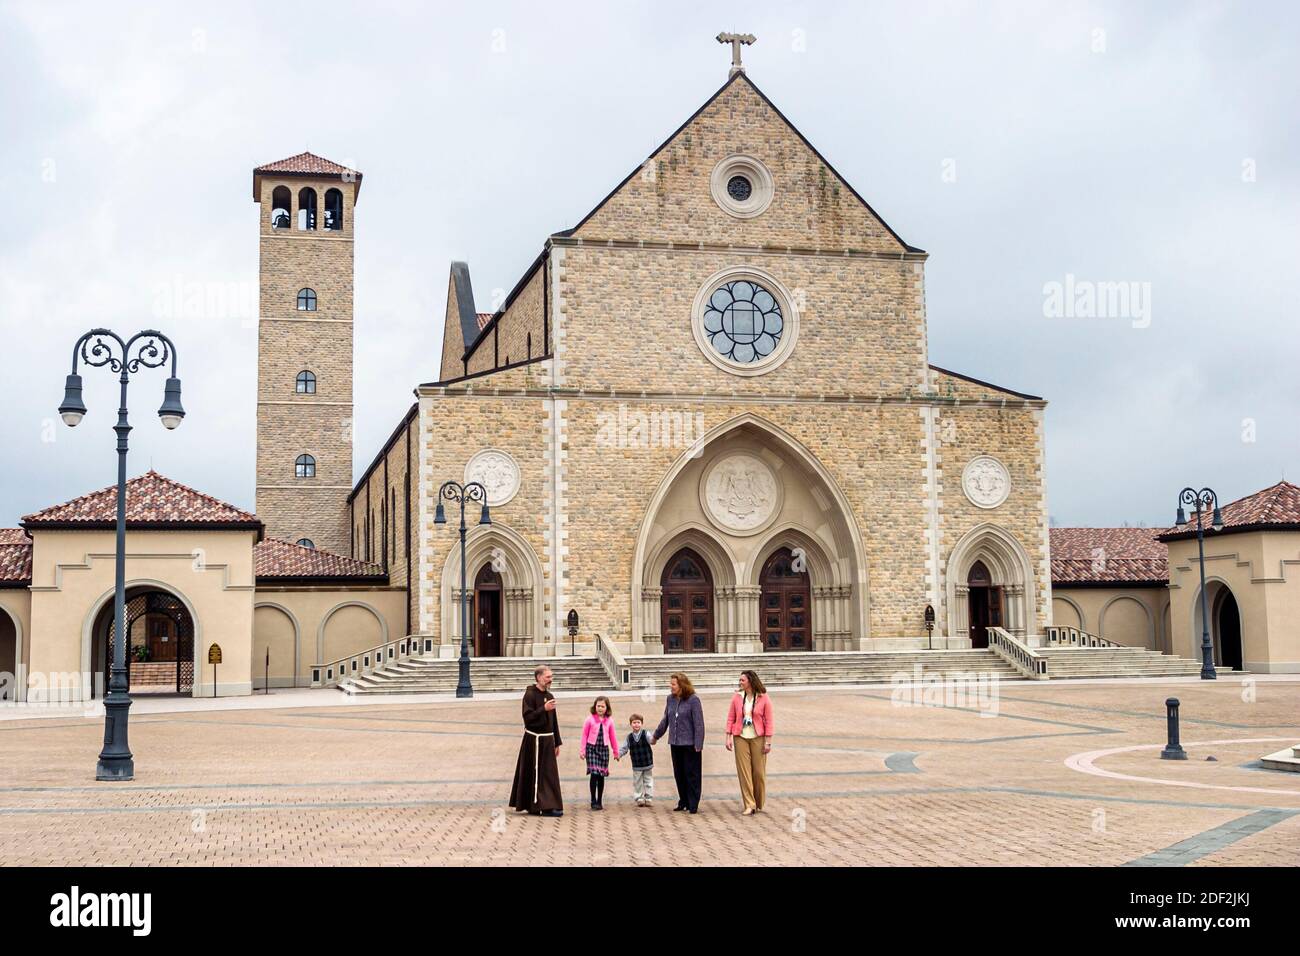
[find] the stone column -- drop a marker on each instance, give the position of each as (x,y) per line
(745,635)
(960,638)
(651,621)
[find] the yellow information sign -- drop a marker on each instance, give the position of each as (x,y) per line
(214,654)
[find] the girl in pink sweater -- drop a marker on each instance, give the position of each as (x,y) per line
(598,742)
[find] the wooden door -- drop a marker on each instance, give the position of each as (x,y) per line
(785,607)
(686,618)
(487,613)
(985,604)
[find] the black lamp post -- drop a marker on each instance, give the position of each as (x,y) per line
(1201,501)
(455,491)
(572,621)
(151,349)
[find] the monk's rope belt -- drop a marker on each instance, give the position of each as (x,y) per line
(537,757)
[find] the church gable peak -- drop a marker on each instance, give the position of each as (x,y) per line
(738,171)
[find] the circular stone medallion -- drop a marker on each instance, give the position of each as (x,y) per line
(986,481)
(740,493)
(497,473)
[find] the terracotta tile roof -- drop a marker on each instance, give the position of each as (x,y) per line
(151,501)
(15,557)
(1277,507)
(483,319)
(304,164)
(1108,556)
(273,558)
(307,164)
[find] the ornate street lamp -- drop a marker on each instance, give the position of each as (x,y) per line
(147,349)
(455,491)
(1201,501)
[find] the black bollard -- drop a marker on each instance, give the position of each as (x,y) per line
(1173,750)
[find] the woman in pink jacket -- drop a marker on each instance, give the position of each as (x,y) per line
(598,742)
(749,735)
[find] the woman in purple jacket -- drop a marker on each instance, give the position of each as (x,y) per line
(684,723)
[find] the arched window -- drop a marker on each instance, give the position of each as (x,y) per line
(280,200)
(307,208)
(306,384)
(306,300)
(305,466)
(306,543)
(333,209)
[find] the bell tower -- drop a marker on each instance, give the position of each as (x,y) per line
(304,349)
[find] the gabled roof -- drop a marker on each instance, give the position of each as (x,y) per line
(741,77)
(153,502)
(15,558)
(280,560)
(304,164)
(1099,556)
(1273,509)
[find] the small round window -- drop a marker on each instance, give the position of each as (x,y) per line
(739,188)
(743,322)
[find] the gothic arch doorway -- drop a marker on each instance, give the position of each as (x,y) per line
(687,624)
(786,604)
(159,648)
(487,613)
(985,604)
(1227,631)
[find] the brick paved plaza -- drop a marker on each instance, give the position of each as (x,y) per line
(853,779)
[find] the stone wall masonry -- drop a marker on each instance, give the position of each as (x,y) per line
(627,322)
(669,198)
(519,330)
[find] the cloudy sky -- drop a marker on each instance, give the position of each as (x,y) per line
(1022,144)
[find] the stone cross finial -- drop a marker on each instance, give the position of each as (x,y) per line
(736,39)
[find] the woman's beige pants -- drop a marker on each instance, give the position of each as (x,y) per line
(751,768)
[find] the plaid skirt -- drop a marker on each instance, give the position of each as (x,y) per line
(598,758)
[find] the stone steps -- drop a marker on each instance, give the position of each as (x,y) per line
(1066,663)
(422,675)
(426,675)
(1288,758)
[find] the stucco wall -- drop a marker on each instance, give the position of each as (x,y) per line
(1262,569)
(72,579)
(1134,617)
(304,627)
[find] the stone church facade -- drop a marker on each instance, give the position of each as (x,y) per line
(706,421)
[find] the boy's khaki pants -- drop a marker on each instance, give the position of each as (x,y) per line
(751,768)
(643,784)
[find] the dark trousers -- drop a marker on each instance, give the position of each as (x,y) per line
(688,771)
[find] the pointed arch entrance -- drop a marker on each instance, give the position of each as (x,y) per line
(785,603)
(989,583)
(743,490)
(687,602)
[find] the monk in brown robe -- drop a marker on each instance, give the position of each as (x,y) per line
(537,773)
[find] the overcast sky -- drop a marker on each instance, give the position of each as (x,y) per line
(1019,144)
